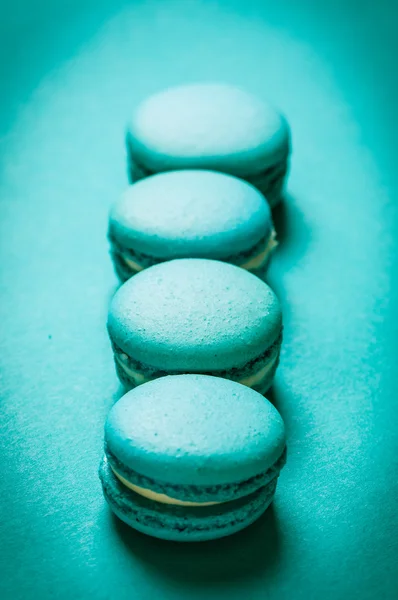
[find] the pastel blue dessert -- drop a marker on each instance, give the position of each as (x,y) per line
(191,457)
(196,316)
(210,126)
(190,214)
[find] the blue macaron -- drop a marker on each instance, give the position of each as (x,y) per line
(191,457)
(190,214)
(196,316)
(210,126)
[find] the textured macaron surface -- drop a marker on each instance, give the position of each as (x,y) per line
(212,126)
(195,430)
(194,315)
(191,213)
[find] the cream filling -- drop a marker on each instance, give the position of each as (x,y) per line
(249,381)
(136,375)
(257,261)
(135,266)
(260,375)
(163,498)
(254,263)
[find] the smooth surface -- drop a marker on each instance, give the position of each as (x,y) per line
(195,430)
(191,214)
(69,78)
(194,315)
(210,126)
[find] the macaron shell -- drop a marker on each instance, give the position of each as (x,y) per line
(176,523)
(192,213)
(194,315)
(210,126)
(271,186)
(195,430)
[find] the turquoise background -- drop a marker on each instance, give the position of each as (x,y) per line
(70,73)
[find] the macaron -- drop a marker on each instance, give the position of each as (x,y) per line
(190,214)
(196,316)
(210,126)
(191,457)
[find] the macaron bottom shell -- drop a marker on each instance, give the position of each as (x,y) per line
(181,523)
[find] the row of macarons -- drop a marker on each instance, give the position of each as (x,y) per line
(194,450)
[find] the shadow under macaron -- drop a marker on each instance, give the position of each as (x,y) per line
(290,226)
(252,551)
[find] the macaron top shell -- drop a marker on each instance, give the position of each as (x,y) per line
(190,213)
(194,315)
(195,430)
(211,126)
